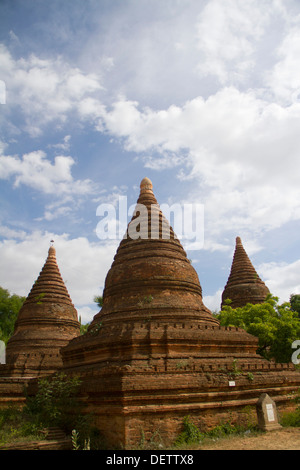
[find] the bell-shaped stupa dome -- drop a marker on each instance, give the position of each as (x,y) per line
(151,274)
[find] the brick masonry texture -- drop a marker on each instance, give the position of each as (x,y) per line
(243,285)
(154,353)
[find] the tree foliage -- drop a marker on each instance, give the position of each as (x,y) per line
(276,326)
(99,300)
(56,402)
(295,303)
(9,309)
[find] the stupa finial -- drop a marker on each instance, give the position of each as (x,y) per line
(146,184)
(51,251)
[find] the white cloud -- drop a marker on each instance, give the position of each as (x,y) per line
(83,266)
(64,145)
(236,147)
(44,90)
(7,232)
(284,78)
(213,302)
(238,150)
(282,278)
(227,36)
(36,171)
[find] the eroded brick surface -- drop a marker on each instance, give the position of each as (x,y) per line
(243,285)
(155,354)
(46,322)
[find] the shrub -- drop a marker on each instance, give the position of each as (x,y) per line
(56,402)
(292,418)
(190,433)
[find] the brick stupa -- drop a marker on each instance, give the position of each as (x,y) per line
(243,285)
(46,322)
(155,354)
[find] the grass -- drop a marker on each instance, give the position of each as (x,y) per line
(21,425)
(16,426)
(191,435)
(291,419)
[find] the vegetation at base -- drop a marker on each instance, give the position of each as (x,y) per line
(56,402)
(9,309)
(292,418)
(16,426)
(192,435)
(276,326)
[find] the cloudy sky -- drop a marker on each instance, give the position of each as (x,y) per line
(201,96)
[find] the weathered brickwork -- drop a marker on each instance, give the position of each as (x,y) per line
(46,322)
(155,353)
(243,285)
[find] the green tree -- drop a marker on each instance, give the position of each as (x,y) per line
(99,300)
(295,303)
(9,309)
(83,328)
(56,402)
(275,326)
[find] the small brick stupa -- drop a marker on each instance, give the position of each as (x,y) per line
(46,322)
(243,285)
(155,354)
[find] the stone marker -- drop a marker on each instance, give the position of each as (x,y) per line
(267,413)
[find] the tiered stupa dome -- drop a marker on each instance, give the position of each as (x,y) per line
(46,322)
(243,285)
(154,353)
(151,271)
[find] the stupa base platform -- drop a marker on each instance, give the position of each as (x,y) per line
(131,406)
(143,386)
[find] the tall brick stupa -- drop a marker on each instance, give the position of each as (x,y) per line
(155,354)
(244,284)
(46,322)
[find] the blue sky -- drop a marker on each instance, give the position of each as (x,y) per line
(200,96)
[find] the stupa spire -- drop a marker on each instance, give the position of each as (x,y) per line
(146,185)
(46,322)
(151,263)
(244,284)
(154,351)
(49,286)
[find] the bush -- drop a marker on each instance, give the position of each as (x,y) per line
(56,402)
(192,435)
(14,426)
(292,418)
(276,326)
